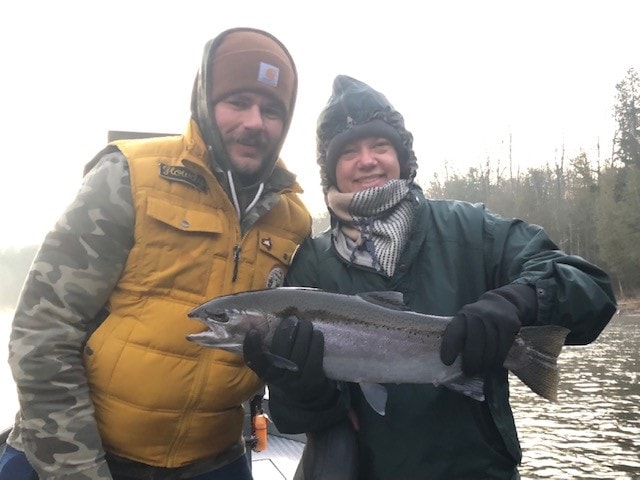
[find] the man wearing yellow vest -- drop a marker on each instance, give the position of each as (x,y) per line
(109,387)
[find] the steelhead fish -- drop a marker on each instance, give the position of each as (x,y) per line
(372,339)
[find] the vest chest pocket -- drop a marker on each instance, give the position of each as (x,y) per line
(275,253)
(185,219)
(178,245)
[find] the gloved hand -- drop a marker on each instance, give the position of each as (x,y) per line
(297,341)
(485,330)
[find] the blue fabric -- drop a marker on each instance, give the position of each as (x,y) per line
(15,466)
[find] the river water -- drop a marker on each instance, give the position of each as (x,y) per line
(592,432)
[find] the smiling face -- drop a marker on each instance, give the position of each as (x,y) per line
(251,126)
(365,163)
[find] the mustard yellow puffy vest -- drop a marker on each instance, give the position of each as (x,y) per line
(160,399)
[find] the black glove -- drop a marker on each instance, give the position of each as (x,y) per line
(297,341)
(484,331)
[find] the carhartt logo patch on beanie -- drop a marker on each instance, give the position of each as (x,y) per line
(248,60)
(268,74)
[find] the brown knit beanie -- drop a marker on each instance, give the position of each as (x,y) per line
(250,60)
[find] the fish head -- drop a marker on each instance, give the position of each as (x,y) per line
(227,328)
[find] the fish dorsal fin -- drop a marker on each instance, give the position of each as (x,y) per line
(387,299)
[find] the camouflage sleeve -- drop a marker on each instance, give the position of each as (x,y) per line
(70,280)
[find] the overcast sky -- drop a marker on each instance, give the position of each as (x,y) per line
(465,75)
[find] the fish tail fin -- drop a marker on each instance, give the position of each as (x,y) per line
(541,373)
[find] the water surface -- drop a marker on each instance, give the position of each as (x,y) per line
(593,431)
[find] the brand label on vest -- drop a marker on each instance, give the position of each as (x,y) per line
(275,278)
(182,174)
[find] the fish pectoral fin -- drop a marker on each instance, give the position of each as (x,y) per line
(376,396)
(281,362)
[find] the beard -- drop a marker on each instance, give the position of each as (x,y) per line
(250,173)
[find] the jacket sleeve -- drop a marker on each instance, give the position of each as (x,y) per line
(289,415)
(71,279)
(571,291)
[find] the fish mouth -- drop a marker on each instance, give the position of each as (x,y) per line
(216,334)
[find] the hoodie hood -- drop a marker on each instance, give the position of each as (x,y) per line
(242,59)
(355,110)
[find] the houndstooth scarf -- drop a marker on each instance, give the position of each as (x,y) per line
(373,224)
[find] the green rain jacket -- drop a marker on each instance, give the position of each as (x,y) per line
(456,252)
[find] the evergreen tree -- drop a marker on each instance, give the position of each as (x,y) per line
(627,115)
(582,196)
(617,226)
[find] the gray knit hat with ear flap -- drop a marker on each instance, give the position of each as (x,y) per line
(355,110)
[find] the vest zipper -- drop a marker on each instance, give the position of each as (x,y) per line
(236,260)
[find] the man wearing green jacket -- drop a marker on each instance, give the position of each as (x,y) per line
(451,258)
